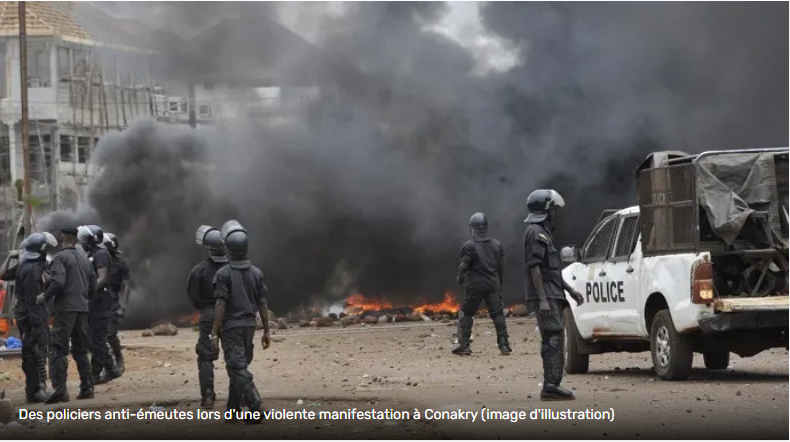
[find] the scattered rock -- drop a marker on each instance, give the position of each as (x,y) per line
(148,333)
(520,310)
(346,321)
(313,323)
(400,317)
(277,339)
(272,325)
(165,330)
(383,319)
(304,323)
(324,322)
(7,410)
(371,320)
(332,316)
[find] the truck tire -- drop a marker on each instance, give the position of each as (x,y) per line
(672,352)
(716,360)
(575,362)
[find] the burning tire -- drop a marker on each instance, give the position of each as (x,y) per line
(575,361)
(672,352)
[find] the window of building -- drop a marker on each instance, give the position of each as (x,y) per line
(64,64)
(204,109)
(82,149)
(110,69)
(598,245)
(66,150)
(5,162)
(173,106)
(38,72)
(40,156)
(3,85)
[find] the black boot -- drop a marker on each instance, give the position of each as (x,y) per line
(38,397)
(59,395)
(208,399)
(119,364)
(254,402)
(86,393)
(463,348)
(504,345)
(234,405)
(553,364)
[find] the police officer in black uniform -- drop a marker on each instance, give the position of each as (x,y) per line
(118,283)
(240,291)
(8,273)
(31,317)
(200,290)
(100,306)
(481,268)
(72,281)
(544,288)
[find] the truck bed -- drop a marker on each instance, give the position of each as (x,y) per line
(768,303)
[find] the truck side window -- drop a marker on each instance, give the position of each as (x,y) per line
(626,237)
(597,246)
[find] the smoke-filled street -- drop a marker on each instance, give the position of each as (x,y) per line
(408,367)
(377,174)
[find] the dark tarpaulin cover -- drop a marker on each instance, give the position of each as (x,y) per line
(728,183)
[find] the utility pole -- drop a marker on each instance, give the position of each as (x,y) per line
(24,117)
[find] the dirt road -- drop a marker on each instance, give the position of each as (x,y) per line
(410,367)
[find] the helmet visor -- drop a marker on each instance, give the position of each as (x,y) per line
(557,199)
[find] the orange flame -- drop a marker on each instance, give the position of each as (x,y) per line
(357,303)
(448,305)
(189,320)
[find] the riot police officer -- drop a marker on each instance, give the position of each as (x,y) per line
(100,307)
(240,291)
(482,267)
(31,317)
(9,273)
(71,282)
(200,291)
(544,288)
(118,283)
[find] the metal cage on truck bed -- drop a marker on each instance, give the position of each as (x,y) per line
(672,219)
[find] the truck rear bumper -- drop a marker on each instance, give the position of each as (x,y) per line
(745,320)
(765,304)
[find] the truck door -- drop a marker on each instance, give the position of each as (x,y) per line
(621,293)
(591,318)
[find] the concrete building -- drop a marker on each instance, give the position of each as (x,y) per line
(90,73)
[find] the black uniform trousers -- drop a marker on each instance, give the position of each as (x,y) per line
(99,321)
(472,300)
(113,341)
(550,327)
(237,346)
(205,351)
(35,342)
(70,328)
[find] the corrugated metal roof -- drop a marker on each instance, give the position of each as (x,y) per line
(42,18)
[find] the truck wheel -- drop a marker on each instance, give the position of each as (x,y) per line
(672,352)
(716,360)
(575,362)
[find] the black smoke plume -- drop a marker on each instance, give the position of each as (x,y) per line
(381,176)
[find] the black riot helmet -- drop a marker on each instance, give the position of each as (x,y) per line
(90,236)
(234,238)
(211,240)
(478,222)
(541,204)
(35,247)
(111,244)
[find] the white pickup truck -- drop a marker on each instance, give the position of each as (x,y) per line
(686,290)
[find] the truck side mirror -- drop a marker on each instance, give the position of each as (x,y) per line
(569,254)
